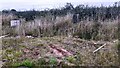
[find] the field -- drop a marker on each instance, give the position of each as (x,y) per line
(68,36)
(37,51)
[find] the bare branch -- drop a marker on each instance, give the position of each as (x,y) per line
(99,48)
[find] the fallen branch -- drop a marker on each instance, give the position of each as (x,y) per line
(99,48)
(59,51)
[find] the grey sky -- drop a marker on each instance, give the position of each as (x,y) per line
(42,4)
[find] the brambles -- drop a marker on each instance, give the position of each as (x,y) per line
(18,54)
(52,61)
(42,61)
(71,59)
(25,63)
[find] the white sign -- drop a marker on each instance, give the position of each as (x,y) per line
(14,23)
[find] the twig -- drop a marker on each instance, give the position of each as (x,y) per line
(99,48)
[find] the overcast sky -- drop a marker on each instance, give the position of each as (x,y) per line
(42,4)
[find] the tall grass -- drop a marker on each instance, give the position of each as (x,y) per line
(48,26)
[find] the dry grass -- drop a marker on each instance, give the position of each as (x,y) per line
(63,26)
(18,49)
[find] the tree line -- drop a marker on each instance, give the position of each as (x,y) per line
(80,12)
